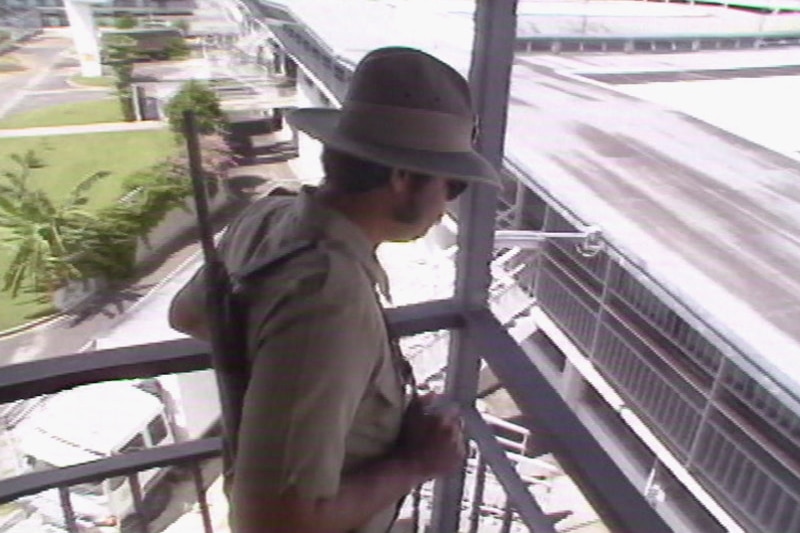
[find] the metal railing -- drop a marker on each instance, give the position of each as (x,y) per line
(655,43)
(739,437)
(619,503)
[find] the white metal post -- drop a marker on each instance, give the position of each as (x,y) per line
(84,33)
(492,56)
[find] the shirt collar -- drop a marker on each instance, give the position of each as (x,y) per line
(336,227)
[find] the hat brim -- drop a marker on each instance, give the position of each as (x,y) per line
(321,124)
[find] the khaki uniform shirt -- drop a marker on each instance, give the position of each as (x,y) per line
(327,390)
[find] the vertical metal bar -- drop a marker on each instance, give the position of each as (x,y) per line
(416,502)
(505,526)
(69,512)
(602,312)
(519,204)
(138,502)
(794,525)
(227,340)
(197,477)
(490,72)
(477,496)
(492,56)
(539,259)
(711,400)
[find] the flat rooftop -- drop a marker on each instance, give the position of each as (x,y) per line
(712,216)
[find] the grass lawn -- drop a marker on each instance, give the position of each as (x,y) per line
(106,110)
(68,159)
(96,81)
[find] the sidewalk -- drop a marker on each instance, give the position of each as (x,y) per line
(105,127)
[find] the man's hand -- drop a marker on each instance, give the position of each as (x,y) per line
(432,437)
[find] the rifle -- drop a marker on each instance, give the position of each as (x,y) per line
(226,318)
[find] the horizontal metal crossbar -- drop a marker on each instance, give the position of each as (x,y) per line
(426,316)
(118,465)
(590,239)
(28,380)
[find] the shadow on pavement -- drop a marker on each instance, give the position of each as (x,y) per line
(108,303)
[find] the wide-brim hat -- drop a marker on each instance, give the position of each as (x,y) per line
(405,109)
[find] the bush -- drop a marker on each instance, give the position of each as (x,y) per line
(151,194)
(125,22)
(177,48)
(182,25)
(119,53)
(200,98)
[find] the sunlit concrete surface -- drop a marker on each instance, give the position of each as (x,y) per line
(758,109)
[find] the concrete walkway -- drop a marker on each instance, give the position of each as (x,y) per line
(105,127)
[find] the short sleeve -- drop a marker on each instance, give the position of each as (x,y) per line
(191,298)
(195,288)
(314,360)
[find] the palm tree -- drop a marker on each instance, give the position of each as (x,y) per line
(18,180)
(44,236)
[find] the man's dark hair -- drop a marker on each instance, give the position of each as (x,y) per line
(351,174)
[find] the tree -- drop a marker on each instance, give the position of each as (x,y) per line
(125,22)
(177,48)
(43,235)
(200,98)
(183,25)
(216,157)
(17,181)
(54,242)
(120,52)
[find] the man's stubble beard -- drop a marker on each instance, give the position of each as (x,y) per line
(410,214)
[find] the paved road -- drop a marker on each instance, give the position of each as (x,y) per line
(70,333)
(39,56)
(49,62)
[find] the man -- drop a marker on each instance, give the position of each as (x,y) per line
(331,436)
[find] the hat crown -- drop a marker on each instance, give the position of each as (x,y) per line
(406,109)
(407,78)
